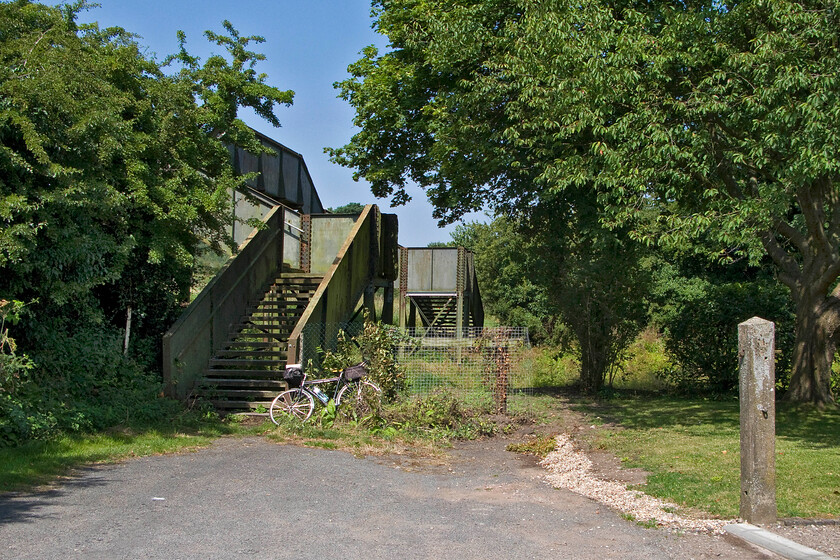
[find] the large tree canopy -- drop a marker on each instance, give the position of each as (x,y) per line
(720,118)
(114,166)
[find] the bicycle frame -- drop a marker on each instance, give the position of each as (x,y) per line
(304,403)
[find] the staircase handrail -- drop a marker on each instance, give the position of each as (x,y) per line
(353,270)
(205,324)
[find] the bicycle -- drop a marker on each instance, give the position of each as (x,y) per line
(299,400)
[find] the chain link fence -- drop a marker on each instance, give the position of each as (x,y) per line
(486,367)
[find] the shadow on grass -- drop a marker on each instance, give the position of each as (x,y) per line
(810,426)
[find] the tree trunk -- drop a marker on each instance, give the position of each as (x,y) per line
(813,354)
(593,357)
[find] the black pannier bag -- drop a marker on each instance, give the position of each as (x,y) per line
(293,375)
(354,373)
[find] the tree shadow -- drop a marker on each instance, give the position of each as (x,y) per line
(810,426)
(27,506)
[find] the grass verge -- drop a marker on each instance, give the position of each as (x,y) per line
(692,450)
(40,462)
(413,427)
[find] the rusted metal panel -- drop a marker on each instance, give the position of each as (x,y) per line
(292,239)
(282,174)
(432,270)
(270,173)
(420,270)
(290,180)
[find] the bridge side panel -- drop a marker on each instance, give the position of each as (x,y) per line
(205,324)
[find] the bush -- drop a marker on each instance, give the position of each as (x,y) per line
(551,367)
(702,332)
(375,344)
(438,416)
(80,381)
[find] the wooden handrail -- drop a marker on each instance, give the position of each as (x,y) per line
(354,255)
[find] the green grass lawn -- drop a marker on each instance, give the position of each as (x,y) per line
(692,449)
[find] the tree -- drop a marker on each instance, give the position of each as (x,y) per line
(504,264)
(719,118)
(349,208)
(564,263)
(113,166)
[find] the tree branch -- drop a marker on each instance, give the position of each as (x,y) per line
(814,215)
(791,274)
(794,235)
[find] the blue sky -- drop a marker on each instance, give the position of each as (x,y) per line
(308,45)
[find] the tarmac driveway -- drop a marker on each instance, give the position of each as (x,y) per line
(250,497)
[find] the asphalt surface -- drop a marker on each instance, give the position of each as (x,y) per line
(250,497)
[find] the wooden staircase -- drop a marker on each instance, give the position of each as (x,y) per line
(247,373)
(438,312)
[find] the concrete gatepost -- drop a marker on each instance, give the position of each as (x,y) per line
(756,346)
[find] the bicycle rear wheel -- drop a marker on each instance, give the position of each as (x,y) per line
(295,402)
(363,397)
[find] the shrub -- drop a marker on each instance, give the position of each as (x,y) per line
(551,367)
(439,415)
(375,344)
(702,332)
(79,381)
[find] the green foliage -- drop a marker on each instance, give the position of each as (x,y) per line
(114,173)
(551,367)
(114,167)
(82,383)
(561,262)
(349,208)
(439,416)
(14,368)
(699,314)
(504,262)
(645,363)
(680,121)
(374,344)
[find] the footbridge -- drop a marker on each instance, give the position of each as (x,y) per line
(305,268)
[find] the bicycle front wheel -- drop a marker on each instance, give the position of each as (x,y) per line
(295,402)
(362,396)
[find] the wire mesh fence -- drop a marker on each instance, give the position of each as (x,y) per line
(485,367)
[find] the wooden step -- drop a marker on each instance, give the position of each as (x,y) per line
(245,344)
(273,354)
(244,394)
(279,304)
(263,331)
(284,315)
(234,362)
(255,383)
(246,373)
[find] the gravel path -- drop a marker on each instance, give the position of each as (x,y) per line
(250,497)
(571,469)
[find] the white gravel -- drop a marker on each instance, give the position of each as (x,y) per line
(571,469)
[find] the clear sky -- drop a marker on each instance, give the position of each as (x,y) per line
(308,45)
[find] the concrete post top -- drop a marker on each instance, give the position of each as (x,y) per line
(756,321)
